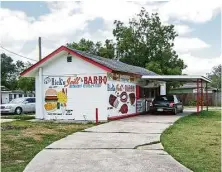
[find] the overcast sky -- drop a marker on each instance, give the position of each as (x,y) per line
(198,23)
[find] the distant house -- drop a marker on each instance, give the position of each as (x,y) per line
(7,95)
(190,88)
(188,92)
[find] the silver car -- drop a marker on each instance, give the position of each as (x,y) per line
(19,106)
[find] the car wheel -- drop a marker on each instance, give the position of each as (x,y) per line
(18,111)
(175,111)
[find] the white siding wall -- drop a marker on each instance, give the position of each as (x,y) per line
(82,101)
(60,67)
(5,97)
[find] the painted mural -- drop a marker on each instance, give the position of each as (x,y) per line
(56,100)
(121,95)
(62,93)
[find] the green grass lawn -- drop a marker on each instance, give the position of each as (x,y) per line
(21,117)
(195,141)
(22,140)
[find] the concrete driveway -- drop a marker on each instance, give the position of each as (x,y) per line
(127,145)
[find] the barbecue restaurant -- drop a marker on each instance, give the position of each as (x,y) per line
(75,85)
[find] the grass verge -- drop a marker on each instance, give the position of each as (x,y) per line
(22,140)
(195,141)
(20,117)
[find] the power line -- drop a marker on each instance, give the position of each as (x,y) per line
(17,54)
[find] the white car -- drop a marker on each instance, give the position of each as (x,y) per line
(19,106)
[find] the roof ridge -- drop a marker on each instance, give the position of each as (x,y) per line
(115,64)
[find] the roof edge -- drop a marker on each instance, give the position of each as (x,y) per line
(177,77)
(64,48)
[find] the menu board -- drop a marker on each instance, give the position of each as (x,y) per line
(139,106)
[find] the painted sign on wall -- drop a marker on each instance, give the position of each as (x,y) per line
(120,77)
(61,94)
(77,82)
(121,98)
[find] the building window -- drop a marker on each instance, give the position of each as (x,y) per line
(20,95)
(69,58)
(25,95)
(31,100)
(10,97)
(14,96)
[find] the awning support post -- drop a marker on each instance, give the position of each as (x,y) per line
(207,96)
(197,103)
(202,96)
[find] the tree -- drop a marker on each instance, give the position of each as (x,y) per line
(144,42)
(215,76)
(147,43)
(24,83)
(8,72)
(107,50)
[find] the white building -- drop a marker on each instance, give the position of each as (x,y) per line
(72,84)
(8,95)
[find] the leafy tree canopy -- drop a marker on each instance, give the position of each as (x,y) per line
(215,76)
(147,43)
(10,71)
(107,50)
(144,42)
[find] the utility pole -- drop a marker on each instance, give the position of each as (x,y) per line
(40,48)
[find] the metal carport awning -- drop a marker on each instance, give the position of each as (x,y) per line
(185,78)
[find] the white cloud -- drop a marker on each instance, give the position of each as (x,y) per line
(182,29)
(184,44)
(190,10)
(69,21)
(198,65)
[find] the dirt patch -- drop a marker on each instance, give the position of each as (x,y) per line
(68,127)
(5,147)
(36,133)
(12,137)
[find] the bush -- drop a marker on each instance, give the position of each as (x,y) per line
(192,103)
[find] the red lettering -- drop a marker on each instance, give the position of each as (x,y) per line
(100,79)
(85,80)
(95,79)
(104,79)
(90,80)
(78,80)
(68,82)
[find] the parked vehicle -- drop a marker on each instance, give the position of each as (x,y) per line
(167,103)
(19,106)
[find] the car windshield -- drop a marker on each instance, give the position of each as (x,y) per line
(164,98)
(16,101)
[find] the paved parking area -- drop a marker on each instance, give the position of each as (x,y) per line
(127,145)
